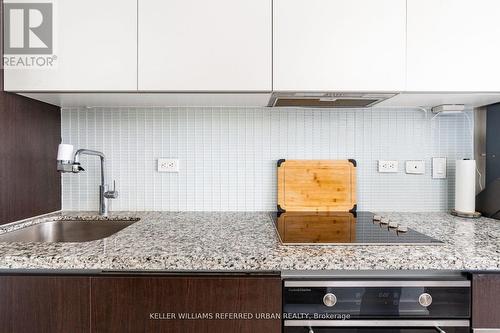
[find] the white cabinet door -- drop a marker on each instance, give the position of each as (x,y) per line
(453,45)
(95,42)
(198,45)
(344,45)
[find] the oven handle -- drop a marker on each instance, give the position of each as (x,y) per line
(377,323)
(375,283)
(438,329)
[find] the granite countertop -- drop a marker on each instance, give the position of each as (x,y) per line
(218,241)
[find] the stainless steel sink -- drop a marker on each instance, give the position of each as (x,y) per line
(67,231)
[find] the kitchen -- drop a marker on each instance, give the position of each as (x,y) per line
(250,166)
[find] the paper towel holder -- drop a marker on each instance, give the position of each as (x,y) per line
(473,215)
(465,194)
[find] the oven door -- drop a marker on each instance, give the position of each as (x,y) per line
(368,299)
(376,326)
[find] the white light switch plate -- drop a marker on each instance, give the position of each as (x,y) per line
(415,167)
(439,167)
(388,166)
(168,165)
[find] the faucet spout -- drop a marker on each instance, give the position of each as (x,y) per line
(75,167)
(76,161)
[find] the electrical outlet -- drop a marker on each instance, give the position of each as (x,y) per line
(415,167)
(168,165)
(388,166)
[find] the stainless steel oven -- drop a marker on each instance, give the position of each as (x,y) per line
(376,305)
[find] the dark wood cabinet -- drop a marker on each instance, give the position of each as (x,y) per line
(486,301)
(170,303)
(210,304)
(44,304)
(140,303)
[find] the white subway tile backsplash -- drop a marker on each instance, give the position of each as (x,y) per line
(228,155)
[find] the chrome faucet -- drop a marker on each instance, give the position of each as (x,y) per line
(74,166)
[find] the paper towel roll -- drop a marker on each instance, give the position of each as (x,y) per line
(465,186)
(65,152)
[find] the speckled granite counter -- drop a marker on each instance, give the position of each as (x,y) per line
(247,241)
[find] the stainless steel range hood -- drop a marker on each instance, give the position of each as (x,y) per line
(327,99)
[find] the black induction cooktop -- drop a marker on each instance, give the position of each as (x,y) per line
(339,228)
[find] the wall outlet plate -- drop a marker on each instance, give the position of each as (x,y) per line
(415,167)
(168,165)
(388,166)
(439,167)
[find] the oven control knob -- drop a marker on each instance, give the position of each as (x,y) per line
(425,300)
(329,299)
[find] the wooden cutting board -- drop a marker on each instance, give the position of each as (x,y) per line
(317,185)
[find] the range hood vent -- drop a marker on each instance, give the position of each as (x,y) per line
(327,99)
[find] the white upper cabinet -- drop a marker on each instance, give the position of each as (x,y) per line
(240,46)
(95,44)
(348,45)
(453,45)
(216,45)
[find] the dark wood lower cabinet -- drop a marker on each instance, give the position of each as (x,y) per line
(486,301)
(155,304)
(106,304)
(165,304)
(44,304)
